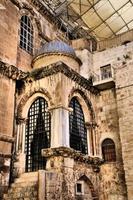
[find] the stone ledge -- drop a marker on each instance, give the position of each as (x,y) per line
(12,72)
(6,138)
(71,153)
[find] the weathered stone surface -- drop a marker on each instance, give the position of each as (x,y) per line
(108,113)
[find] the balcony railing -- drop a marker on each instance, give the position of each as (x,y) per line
(105,79)
(106,75)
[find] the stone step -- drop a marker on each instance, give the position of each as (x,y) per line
(23,187)
(23,184)
(22,192)
(26,180)
(27,177)
(29,174)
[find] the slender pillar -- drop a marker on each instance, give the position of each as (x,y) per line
(20,146)
(59,126)
(89,143)
(91,138)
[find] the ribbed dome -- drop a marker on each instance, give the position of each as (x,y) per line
(56,47)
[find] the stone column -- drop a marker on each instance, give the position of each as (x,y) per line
(91,138)
(19,165)
(59,126)
(20,144)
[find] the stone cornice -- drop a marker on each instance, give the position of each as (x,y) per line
(5,155)
(37,57)
(67,71)
(69,109)
(71,153)
(40,8)
(12,72)
(6,138)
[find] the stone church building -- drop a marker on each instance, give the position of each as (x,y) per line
(66,105)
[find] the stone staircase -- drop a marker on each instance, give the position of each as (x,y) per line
(24,188)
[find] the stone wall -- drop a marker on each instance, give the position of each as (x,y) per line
(8,32)
(7,92)
(124,81)
(121,60)
(116,41)
(112,182)
(44,30)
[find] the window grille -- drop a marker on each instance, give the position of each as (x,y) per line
(108,150)
(78,132)
(26,34)
(37,134)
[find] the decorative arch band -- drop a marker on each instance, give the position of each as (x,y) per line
(30,94)
(87,101)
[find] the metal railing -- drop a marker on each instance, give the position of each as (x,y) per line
(103,75)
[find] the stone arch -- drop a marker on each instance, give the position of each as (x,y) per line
(29,98)
(89,183)
(28,13)
(81,98)
(28,10)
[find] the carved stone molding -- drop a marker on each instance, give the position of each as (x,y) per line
(2,155)
(60,106)
(71,153)
(91,125)
(27,96)
(67,71)
(6,138)
(86,99)
(12,72)
(24,5)
(21,120)
(17,3)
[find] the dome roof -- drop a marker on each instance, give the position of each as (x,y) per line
(56,47)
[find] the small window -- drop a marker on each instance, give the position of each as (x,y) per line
(108,150)
(26,34)
(106,72)
(80,188)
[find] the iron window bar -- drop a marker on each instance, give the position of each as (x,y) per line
(38,129)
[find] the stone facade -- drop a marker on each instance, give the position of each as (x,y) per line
(58,77)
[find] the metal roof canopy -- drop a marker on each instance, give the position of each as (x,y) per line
(100,19)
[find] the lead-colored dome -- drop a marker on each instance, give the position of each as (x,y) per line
(56,47)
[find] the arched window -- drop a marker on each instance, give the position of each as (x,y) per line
(78,132)
(108,150)
(26,34)
(37,134)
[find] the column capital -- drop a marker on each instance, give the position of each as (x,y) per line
(91,125)
(60,106)
(21,120)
